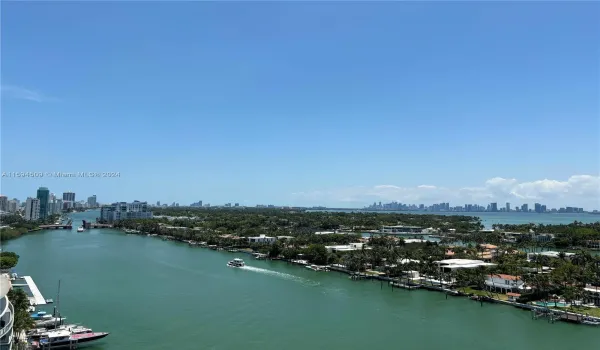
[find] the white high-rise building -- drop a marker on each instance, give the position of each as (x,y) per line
(12,206)
(123,210)
(58,206)
(32,209)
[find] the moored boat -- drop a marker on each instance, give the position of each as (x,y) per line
(317,268)
(237,262)
(590,321)
(260,256)
(50,322)
(41,315)
(62,338)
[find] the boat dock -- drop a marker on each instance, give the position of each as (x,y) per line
(38,298)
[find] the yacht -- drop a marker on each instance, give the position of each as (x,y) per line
(236,263)
(317,268)
(49,322)
(80,229)
(66,338)
(590,321)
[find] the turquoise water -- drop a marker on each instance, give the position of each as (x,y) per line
(155,295)
(540,303)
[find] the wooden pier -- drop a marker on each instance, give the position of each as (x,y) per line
(38,298)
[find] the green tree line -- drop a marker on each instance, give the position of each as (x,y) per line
(18,226)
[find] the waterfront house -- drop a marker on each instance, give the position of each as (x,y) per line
(402,230)
(7,314)
(262,239)
(489,247)
(550,254)
(593,244)
(542,237)
(346,247)
(449,265)
(415,240)
(512,237)
(592,295)
(504,283)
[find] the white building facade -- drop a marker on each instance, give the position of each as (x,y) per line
(32,209)
(264,239)
(504,283)
(7,314)
(123,210)
(12,206)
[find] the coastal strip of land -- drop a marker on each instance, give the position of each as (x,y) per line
(527,266)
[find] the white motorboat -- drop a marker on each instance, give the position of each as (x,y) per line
(49,322)
(237,262)
(590,321)
(80,229)
(317,268)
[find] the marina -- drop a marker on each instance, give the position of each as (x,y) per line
(49,331)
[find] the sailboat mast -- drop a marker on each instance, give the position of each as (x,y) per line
(58,297)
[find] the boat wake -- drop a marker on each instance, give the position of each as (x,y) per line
(282,275)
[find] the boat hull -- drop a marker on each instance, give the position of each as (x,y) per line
(50,323)
(75,339)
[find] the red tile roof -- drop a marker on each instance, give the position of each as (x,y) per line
(505,277)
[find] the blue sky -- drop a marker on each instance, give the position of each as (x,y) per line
(304,103)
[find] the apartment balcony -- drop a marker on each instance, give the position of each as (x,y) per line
(7,319)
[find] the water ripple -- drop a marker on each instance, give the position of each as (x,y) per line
(282,275)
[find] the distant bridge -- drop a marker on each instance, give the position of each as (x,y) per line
(56,227)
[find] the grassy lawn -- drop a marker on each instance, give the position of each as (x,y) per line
(580,310)
(484,293)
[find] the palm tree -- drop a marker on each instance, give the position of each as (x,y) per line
(20,301)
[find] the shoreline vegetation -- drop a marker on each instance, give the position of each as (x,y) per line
(299,237)
(15,225)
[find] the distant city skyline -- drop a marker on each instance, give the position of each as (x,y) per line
(581,191)
(493,207)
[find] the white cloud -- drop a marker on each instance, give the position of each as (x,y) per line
(21,93)
(578,190)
